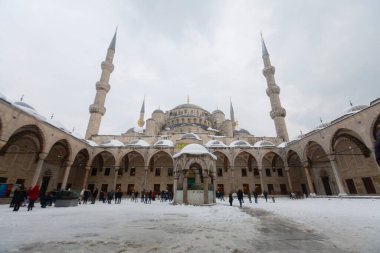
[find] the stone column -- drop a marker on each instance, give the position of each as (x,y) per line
(214,188)
(115,177)
(66,175)
(205,190)
(146,177)
(338,179)
(233,185)
(308,178)
(175,188)
(40,163)
(289,179)
(84,186)
(185,189)
(261,180)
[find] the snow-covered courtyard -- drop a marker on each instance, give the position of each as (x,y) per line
(305,225)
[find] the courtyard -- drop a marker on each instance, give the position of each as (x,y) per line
(302,225)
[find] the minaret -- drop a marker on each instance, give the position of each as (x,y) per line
(97,109)
(141,121)
(273,91)
(232,115)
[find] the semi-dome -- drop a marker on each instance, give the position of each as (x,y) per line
(186,106)
(217,111)
(215,144)
(194,149)
(158,111)
(138,143)
(263,144)
(240,144)
(164,143)
(351,110)
(190,136)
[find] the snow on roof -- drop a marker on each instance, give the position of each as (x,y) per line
(29,109)
(164,143)
(282,145)
(351,110)
(112,143)
(138,143)
(263,144)
(240,143)
(190,136)
(194,149)
(57,124)
(212,129)
(3,97)
(215,144)
(91,143)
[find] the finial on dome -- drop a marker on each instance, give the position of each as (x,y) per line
(22,97)
(350,102)
(188,99)
(52,116)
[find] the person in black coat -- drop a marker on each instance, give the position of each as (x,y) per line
(255,195)
(266,196)
(240,196)
(230,198)
(94,195)
(20,195)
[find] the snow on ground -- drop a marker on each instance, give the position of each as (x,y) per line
(349,224)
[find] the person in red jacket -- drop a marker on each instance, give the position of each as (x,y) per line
(33,196)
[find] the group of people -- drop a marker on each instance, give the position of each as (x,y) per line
(147,196)
(87,195)
(22,196)
(240,196)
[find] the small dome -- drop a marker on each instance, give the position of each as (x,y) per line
(57,124)
(299,137)
(138,130)
(351,110)
(194,149)
(23,104)
(240,144)
(263,144)
(3,97)
(91,143)
(241,131)
(190,136)
(158,111)
(282,145)
(164,143)
(112,143)
(215,144)
(138,143)
(217,111)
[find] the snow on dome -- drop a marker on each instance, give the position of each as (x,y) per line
(138,143)
(282,145)
(91,143)
(29,109)
(158,111)
(164,143)
(240,144)
(112,143)
(263,144)
(321,126)
(185,106)
(212,129)
(215,144)
(241,131)
(217,111)
(138,130)
(351,110)
(190,136)
(298,137)
(3,97)
(194,149)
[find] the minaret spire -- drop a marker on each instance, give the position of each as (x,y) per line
(97,109)
(141,121)
(278,113)
(232,115)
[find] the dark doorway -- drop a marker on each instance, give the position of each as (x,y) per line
(258,189)
(131,187)
(169,187)
(368,184)
(44,185)
(351,186)
(304,189)
(284,191)
(245,188)
(326,185)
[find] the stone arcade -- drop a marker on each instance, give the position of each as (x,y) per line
(190,151)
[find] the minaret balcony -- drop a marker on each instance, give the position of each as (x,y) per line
(273,90)
(107,66)
(103,86)
(280,112)
(94,108)
(269,71)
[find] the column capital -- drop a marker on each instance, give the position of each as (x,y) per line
(42,156)
(116,168)
(306,164)
(88,167)
(68,163)
(332,157)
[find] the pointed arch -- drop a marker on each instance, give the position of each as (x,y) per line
(352,137)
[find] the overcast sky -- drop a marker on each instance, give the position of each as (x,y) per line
(326,53)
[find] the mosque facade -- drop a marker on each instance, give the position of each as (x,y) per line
(189,148)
